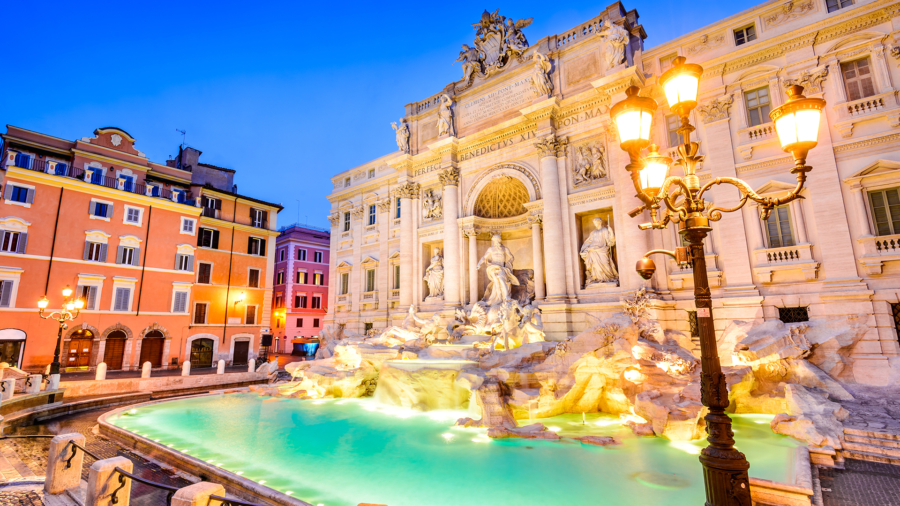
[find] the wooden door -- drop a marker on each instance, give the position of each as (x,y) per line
(151,351)
(80,352)
(241,352)
(115,352)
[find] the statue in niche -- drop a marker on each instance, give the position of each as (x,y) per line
(615,38)
(434,275)
(432,206)
(499,272)
(471,58)
(540,78)
(402,135)
(590,164)
(445,116)
(412,328)
(597,255)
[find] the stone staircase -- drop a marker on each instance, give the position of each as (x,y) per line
(871,445)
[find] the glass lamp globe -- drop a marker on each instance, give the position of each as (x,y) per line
(43,302)
(70,306)
(797,123)
(79,304)
(681,84)
(655,171)
(633,117)
(67,291)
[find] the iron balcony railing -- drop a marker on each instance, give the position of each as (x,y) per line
(66,170)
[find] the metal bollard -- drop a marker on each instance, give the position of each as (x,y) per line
(104,481)
(64,463)
(197,494)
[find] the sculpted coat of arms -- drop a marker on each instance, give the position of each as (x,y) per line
(497,41)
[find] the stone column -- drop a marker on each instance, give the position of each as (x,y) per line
(862,219)
(799,222)
(406,192)
(383,276)
(450,181)
(538,256)
(473,260)
(562,175)
(754,227)
(554,237)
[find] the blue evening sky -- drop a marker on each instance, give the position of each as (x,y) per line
(286,93)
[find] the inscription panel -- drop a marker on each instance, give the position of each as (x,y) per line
(496,102)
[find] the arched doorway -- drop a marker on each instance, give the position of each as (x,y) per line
(152,348)
(80,345)
(201,353)
(11,342)
(115,350)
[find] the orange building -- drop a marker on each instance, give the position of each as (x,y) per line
(172,263)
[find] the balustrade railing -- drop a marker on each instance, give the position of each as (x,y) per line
(865,106)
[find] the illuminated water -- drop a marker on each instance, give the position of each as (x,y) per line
(344,452)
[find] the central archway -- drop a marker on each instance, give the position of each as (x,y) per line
(502,197)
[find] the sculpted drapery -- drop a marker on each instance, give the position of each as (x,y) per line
(597,255)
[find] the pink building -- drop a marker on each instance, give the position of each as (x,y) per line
(300,285)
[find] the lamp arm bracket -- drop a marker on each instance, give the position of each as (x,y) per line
(715,212)
(660,252)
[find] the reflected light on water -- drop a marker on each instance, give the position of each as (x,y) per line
(686,446)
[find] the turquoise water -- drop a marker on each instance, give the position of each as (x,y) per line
(347,451)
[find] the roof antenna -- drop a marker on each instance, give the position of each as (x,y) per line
(183,136)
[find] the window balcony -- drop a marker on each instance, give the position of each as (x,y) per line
(877,250)
(373,295)
(754,137)
(209,212)
(796,262)
(884,106)
(395,293)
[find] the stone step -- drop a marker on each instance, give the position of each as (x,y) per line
(887,443)
(870,448)
(871,457)
(880,434)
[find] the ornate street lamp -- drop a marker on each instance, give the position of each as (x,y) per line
(71,308)
(680,198)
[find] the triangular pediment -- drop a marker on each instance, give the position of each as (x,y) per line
(344,265)
(369,260)
(773,186)
(877,170)
(855,39)
(395,255)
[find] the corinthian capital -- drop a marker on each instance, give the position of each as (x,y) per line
(551,146)
(384,206)
(717,109)
(449,177)
(408,191)
(334,218)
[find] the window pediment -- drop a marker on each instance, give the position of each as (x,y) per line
(878,172)
(14,224)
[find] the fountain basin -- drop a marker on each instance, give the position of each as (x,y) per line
(416,364)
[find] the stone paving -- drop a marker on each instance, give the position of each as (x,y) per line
(861,483)
(874,408)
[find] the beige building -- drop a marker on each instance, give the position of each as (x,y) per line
(523,146)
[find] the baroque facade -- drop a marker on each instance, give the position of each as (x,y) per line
(523,147)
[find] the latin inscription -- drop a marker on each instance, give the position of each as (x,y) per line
(496,102)
(581,116)
(495,146)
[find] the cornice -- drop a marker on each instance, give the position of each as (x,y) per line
(44,147)
(117,161)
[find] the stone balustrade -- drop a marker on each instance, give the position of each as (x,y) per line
(754,137)
(881,106)
(877,250)
(395,293)
(797,258)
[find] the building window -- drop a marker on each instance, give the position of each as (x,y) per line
(346,182)
(368,326)
(279,278)
(345,283)
(370,280)
(858,79)
(132,215)
(23,160)
(18,194)
(673,122)
(834,5)
(301,277)
(256,246)
(793,314)
(187,226)
(204,273)
(398,208)
(300,301)
(211,207)
(371,173)
(101,209)
(184,262)
(315,322)
(200,312)
(397,277)
(94,251)
(250,316)
(667,62)
(317,257)
(744,35)
(253,278)
(6,289)
(13,242)
(281,256)
(317,302)
(208,238)
(127,255)
(694,324)
(122,301)
(179,301)
(886,210)
(318,279)
(346,222)
(372,214)
(778,228)
(301,255)
(89,295)
(758,105)
(279,300)
(259,218)
(299,323)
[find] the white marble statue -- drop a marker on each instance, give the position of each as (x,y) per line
(434,275)
(615,38)
(590,164)
(412,328)
(432,207)
(471,58)
(499,272)
(597,255)
(515,40)
(402,131)
(540,78)
(531,327)
(445,116)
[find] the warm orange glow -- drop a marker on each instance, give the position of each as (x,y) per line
(67,291)
(79,304)
(43,302)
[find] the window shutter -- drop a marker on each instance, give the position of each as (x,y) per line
(92,298)
(180,302)
(7,191)
(215,239)
(262,247)
(119,251)
(23,240)
(252,214)
(87,250)
(5,293)
(200,237)
(218,205)
(178,262)
(190,262)
(92,208)
(135,256)
(203,201)
(29,198)
(109,210)
(103,248)
(117,304)
(265,217)
(250,246)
